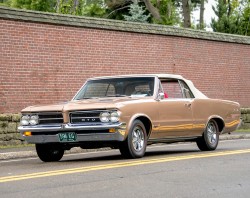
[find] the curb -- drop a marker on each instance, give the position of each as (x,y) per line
(32,153)
(234,136)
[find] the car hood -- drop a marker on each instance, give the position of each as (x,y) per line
(86,104)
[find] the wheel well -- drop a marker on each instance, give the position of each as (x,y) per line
(220,123)
(147,123)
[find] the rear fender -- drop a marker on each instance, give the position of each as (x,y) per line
(219,120)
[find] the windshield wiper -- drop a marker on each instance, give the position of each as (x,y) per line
(117,95)
(87,98)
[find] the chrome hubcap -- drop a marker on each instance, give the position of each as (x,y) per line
(138,138)
(212,133)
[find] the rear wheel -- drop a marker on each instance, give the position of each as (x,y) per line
(49,152)
(210,138)
(135,144)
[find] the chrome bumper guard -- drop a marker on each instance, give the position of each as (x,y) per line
(241,122)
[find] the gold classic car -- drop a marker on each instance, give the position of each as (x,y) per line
(129,113)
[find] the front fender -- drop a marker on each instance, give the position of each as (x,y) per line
(133,118)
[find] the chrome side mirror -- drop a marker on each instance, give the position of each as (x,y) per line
(160,96)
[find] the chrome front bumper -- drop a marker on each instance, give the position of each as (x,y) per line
(49,133)
(240,123)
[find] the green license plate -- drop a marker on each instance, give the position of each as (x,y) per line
(67,137)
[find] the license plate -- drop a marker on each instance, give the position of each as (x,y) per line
(67,137)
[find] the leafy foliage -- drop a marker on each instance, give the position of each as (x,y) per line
(245,23)
(117,8)
(168,11)
(233,17)
(39,5)
(73,7)
(136,13)
(94,10)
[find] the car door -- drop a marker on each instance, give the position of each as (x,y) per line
(175,110)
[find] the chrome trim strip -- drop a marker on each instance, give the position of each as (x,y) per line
(43,113)
(65,127)
(50,118)
(88,111)
(78,126)
(84,117)
(173,139)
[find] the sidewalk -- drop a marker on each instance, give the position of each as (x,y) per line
(29,151)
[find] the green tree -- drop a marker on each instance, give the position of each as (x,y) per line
(73,7)
(94,8)
(168,12)
(232,17)
(117,8)
(161,11)
(39,5)
(245,23)
(5,3)
(188,6)
(136,13)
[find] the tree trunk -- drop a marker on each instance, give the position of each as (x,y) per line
(202,14)
(229,8)
(169,10)
(158,4)
(154,11)
(58,6)
(186,13)
(74,7)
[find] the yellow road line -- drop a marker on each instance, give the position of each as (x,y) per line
(120,165)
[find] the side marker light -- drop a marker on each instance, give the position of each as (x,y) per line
(27,133)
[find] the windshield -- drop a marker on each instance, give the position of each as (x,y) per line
(117,87)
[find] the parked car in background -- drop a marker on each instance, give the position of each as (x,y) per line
(129,113)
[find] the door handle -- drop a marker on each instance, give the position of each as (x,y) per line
(188,105)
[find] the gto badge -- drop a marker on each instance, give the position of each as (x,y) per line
(88,120)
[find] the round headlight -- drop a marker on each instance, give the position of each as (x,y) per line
(25,120)
(114,117)
(34,120)
(104,117)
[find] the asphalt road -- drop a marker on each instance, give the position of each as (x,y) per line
(177,170)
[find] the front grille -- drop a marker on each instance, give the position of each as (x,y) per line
(78,117)
(50,118)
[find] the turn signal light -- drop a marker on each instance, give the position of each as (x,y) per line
(27,133)
(112,130)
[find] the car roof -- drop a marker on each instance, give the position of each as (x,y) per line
(197,93)
(140,75)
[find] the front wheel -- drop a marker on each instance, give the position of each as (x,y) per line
(210,138)
(49,152)
(135,144)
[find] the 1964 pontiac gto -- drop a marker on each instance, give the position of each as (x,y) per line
(129,113)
